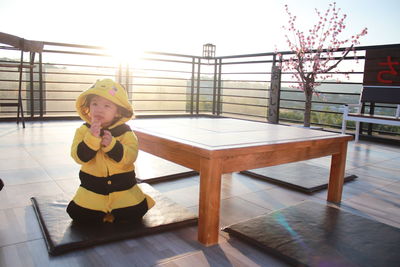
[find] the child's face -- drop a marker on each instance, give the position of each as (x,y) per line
(102,110)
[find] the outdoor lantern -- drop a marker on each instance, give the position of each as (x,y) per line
(208,51)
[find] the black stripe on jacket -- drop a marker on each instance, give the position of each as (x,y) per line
(131,214)
(117,152)
(84,152)
(107,185)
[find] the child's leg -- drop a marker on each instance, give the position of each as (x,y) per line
(134,213)
(79,214)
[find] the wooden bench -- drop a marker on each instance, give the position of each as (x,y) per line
(372,95)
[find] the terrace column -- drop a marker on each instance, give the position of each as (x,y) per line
(274,95)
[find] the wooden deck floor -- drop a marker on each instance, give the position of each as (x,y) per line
(35,161)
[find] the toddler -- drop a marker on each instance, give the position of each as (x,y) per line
(106,148)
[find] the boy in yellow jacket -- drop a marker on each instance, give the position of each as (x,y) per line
(106,148)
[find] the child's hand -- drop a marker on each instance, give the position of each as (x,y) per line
(106,139)
(95,127)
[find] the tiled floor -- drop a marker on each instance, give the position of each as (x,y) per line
(35,161)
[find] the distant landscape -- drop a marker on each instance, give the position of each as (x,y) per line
(156,94)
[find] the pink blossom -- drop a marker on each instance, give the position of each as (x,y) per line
(323,34)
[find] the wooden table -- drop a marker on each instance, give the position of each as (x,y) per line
(213,146)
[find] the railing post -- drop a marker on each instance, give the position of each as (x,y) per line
(119,74)
(192,87)
(31,86)
(41,100)
(274,94)
(219,106)
(214,107)
(20,109)
(127,83)
(198,87)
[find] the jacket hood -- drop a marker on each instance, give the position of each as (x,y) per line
(110,90)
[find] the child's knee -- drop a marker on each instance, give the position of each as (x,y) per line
(80,214)
(134,213)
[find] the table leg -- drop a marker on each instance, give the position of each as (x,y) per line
(210,195)
(336,178)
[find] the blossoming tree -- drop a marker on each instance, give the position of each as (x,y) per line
(316,52)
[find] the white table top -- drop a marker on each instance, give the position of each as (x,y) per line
(222,133)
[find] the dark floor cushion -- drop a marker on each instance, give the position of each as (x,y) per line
(62,234)
(301,176)
(313,234)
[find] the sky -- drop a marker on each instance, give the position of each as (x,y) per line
(183,26)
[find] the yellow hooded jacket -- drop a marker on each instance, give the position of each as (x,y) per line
(108,183)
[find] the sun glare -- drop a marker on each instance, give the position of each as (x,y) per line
(126,52)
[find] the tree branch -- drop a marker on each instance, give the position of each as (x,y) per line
(337,62)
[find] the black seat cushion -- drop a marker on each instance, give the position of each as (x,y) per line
(62,234)
(313,234)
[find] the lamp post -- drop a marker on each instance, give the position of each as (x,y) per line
(208,51)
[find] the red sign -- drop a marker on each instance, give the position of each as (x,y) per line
(382,67)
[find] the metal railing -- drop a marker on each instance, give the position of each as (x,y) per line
(174,84)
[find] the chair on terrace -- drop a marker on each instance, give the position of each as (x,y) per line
(24,46)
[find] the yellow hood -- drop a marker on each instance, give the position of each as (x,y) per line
(110,90)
